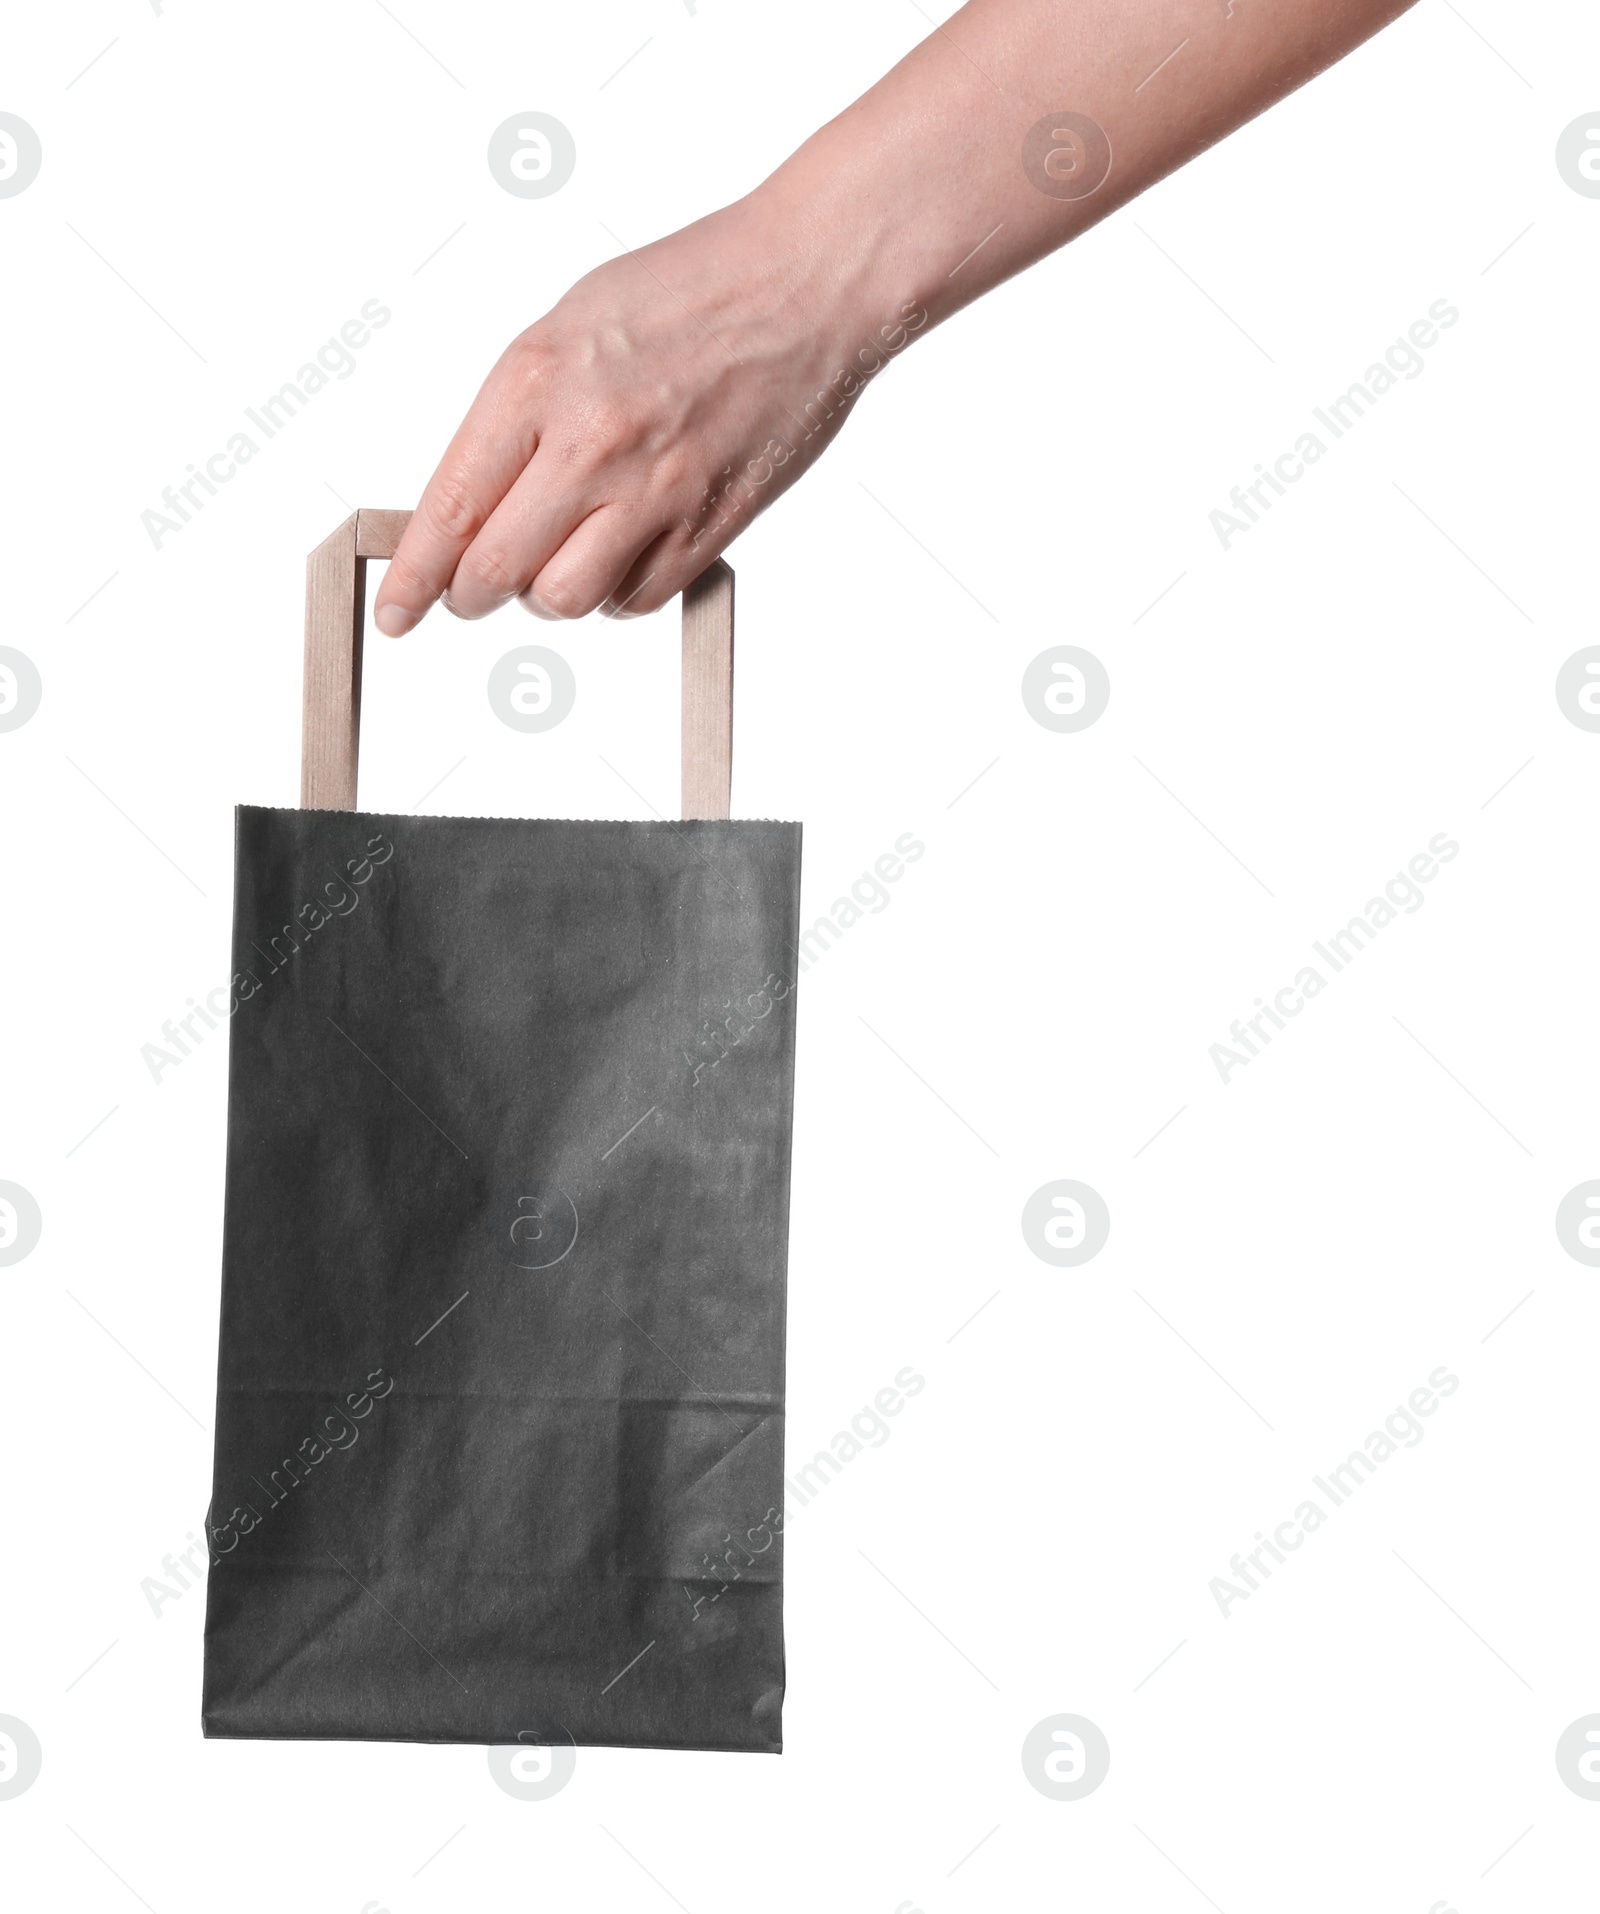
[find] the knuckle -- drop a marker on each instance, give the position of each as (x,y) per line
(659,586)
(610,428)
(673,475)
(493,570)
(453,512)
(652,598)
(564,599)
(529,363)
(405,582)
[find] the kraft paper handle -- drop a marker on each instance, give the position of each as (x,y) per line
(336,591)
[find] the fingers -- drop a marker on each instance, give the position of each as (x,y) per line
(658,574)
(483,461)
(522,534)
(591,563)
(566,537)
(604,567)
(570,507)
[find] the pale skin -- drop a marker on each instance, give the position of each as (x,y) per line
(628,436)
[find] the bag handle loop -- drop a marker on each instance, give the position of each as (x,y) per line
(336,592)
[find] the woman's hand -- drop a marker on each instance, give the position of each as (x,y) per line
(629,434)
(632,432)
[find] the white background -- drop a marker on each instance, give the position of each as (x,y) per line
(1369,1199)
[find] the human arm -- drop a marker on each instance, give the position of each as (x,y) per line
(628,436)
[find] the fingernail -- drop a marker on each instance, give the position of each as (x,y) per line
(394,621)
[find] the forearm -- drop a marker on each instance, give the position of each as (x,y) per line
(1017,125)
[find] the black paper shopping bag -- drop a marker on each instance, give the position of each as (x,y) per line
(499,1441)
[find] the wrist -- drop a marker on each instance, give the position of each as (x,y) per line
(852,293)
(845,262)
